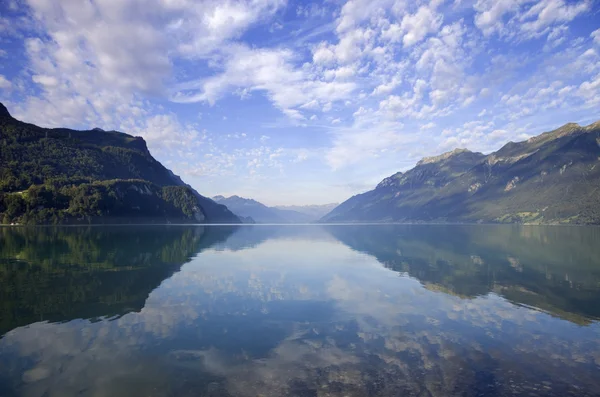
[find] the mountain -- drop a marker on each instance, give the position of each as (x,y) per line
(315,212)
(260,213)
(551,178)
(67,176)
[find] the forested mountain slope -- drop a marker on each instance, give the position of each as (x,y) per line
(67,176)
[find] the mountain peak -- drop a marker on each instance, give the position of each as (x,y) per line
(593,126)
(4,111)
(567,129)
(443,156)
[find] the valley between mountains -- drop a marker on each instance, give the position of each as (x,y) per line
(63,176)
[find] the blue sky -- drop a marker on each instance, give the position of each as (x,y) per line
(300,102)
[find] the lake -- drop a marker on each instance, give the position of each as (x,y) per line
(257,310)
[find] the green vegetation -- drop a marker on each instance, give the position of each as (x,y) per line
(553,178)
(113,201)
(51,176)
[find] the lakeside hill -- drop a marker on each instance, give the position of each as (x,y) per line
(66,176)
(260,213)
(552,178)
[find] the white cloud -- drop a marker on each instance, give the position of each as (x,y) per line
(323,54)
(270,71)
(101,57)
(4,83)
(523,18)
(556,37)
(386,88)
(47,81)
(428,126)
(590,90)
(416,27)
(596,36)
(490,14)
(355,12)
(548,12)
(359,145)
(312,10)
(165,133)
(409,104)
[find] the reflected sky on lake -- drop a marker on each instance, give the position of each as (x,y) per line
(300,311)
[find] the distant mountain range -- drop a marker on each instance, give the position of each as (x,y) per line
(551,178)
(67,176)
(314,211)
(251,209)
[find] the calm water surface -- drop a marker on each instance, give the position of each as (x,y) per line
(300,311)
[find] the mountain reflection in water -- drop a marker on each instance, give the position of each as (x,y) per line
(300,311)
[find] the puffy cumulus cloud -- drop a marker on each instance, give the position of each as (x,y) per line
(414,27)
(355,12)
(490,14)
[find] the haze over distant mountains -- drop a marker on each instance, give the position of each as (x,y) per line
(551,178)
(315,211)
(260,213)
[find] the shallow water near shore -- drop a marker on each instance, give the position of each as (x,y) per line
(318,310)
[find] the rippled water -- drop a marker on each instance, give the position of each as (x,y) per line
(300,311)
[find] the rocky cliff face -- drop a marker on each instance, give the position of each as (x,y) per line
(550,178)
